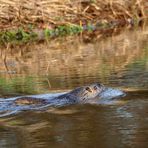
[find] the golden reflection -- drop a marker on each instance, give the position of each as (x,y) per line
(62,61)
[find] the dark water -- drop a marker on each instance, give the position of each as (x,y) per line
(118,60)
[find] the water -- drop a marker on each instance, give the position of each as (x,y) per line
(119,59)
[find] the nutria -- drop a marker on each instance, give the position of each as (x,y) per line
(94,94)
(79,95)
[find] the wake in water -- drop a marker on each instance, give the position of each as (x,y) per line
(9,107)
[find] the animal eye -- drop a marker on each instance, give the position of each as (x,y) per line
(88,89)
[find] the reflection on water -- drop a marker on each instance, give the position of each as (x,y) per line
(97,126)
(119,61)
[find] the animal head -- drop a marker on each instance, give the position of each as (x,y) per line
(87,92)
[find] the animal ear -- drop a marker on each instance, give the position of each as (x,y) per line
(88,89)
(100,85)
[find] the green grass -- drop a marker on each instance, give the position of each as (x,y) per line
(21,35)
(28,34)
(16,36)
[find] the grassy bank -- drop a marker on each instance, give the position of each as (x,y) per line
(35,19)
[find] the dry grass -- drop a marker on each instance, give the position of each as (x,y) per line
(57,12)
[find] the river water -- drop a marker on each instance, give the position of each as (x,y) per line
(118,58)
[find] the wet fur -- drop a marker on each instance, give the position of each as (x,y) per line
(78,95)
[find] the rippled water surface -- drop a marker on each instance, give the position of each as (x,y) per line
(117,59)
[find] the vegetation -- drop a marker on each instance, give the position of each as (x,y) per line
(42,19)
(35,34)
(67,62)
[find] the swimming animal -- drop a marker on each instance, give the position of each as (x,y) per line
(93,94)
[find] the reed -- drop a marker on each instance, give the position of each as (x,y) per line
(50,13)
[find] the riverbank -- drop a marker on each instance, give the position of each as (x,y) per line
(72,61)
(22,21)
